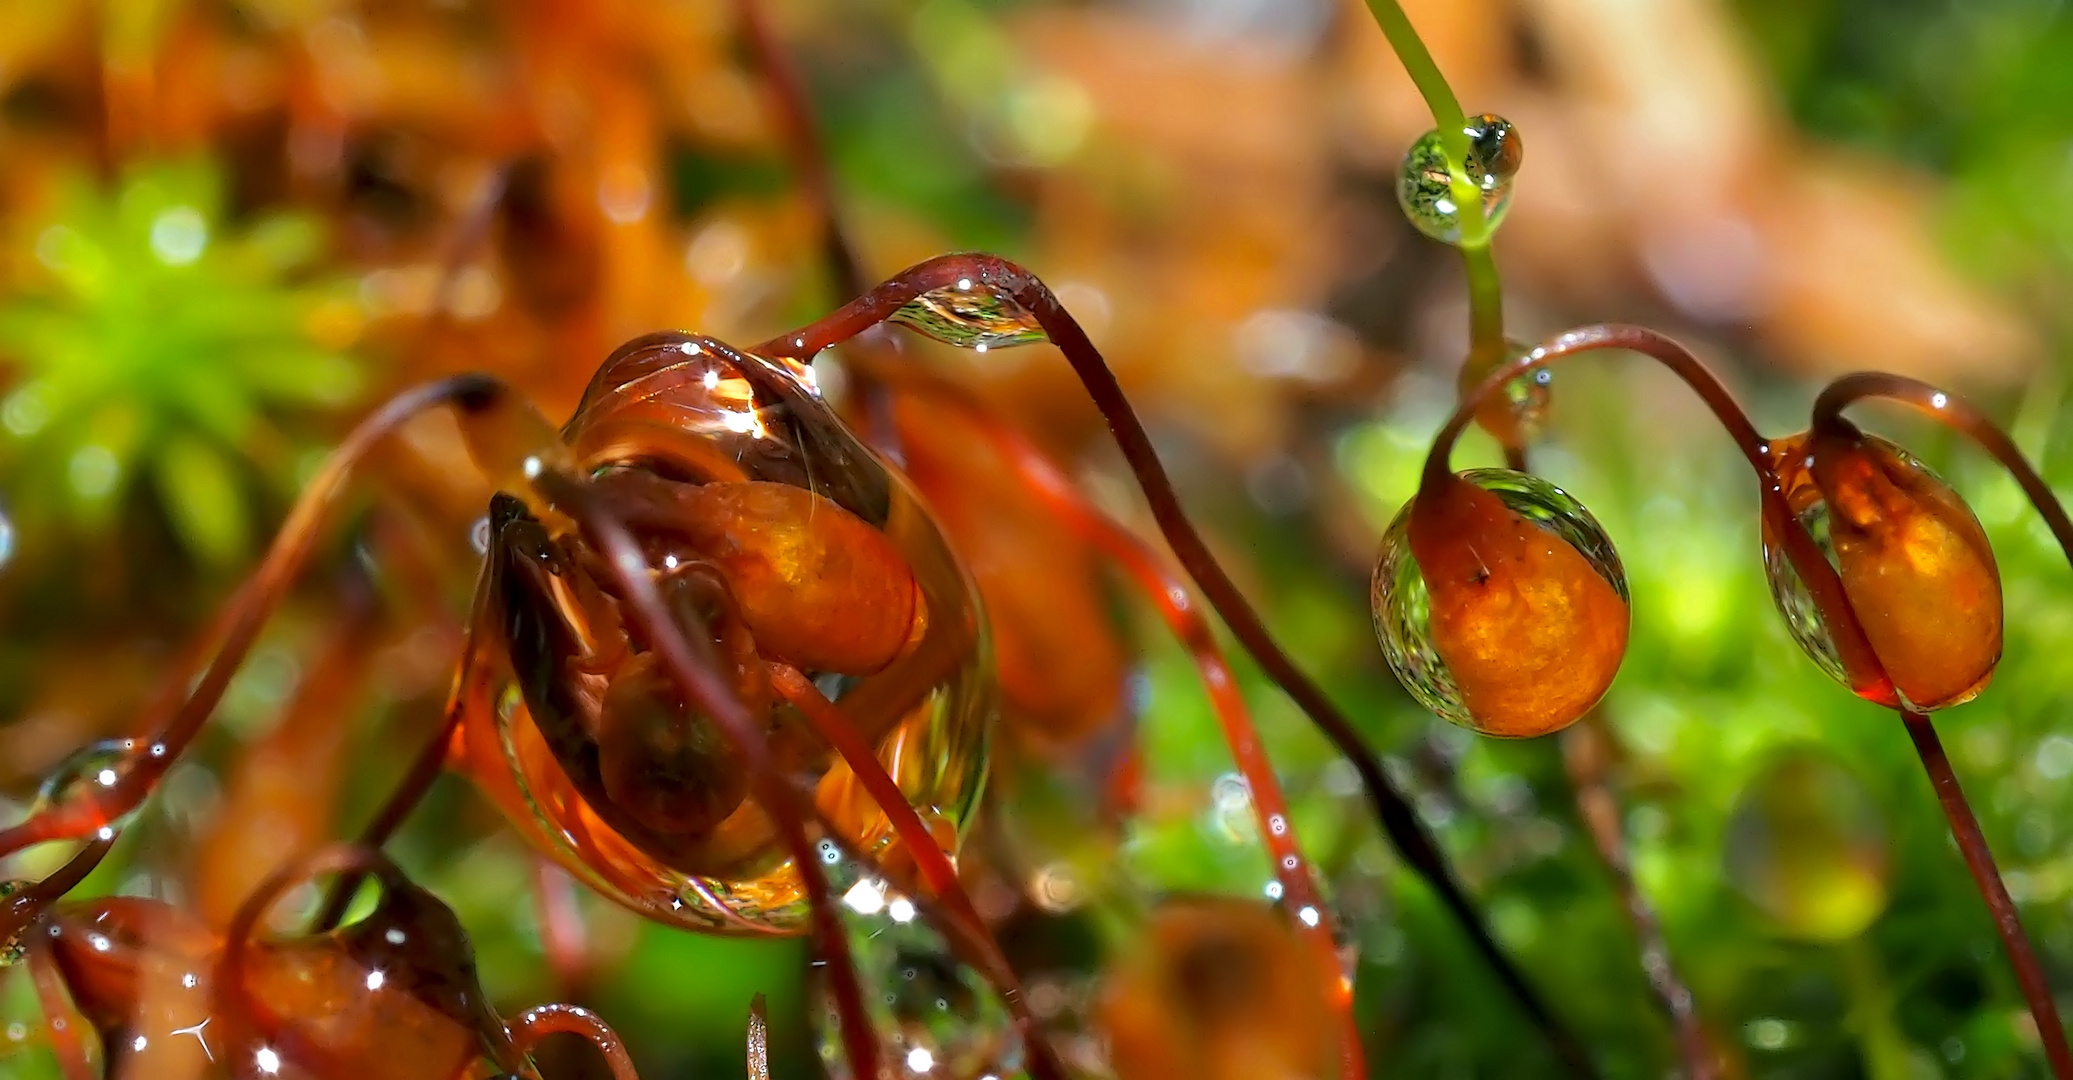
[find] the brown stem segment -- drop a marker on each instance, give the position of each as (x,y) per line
(1586,750)
(540,1021)
(1399,822)
(1959,415)
(1178,610)
(698,679)
(1972,844)
(934,867)
(247,613)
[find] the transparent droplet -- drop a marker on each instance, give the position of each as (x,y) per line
(1806,845)
(86,778)
(935,1016)
(971,315)
(1896,566)
(1401,602)
(1517,416)
(1424,184)
(1803,619)
(726,458)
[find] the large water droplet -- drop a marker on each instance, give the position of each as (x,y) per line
(1914,566)
(86,779)
(1401,600)
(642,796)
(1805,845)
(935,1016)
(1516,416)
(1424,184)
(971,315)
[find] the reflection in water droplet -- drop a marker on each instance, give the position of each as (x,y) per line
(1802,619)
(1424,187)
(1515,417)
(971,316)
(1401,602)
(86,777)
(1805,844)
(935,1016)
(1914,564)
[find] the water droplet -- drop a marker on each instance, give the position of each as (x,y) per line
(1424,186)
(1516,416)
(935,1016)
(1914,564)
(1806,846)
(1524,675)
(646,798)
(86,779)
(971,317)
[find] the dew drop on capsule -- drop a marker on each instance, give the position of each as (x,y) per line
(1500,603)
(1914,563)
(88,775)
(1424,184)
(971,315)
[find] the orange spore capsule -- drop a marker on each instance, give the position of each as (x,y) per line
(1917,568)
(818,586)
(1531,632)
(1220,989)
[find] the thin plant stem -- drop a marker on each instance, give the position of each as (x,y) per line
(1299,884)
(1399,822)
(828,719)
(65,1043)
(803,145)
(248,612)
(540,1021)
(1961,416)
(1485,292)
(1972,844)
(704,689)
(1586,753)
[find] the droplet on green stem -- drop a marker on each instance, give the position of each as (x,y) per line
(1424,185)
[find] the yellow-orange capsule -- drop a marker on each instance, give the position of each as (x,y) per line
(1218,990)
(1914,563)
(1500,603)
